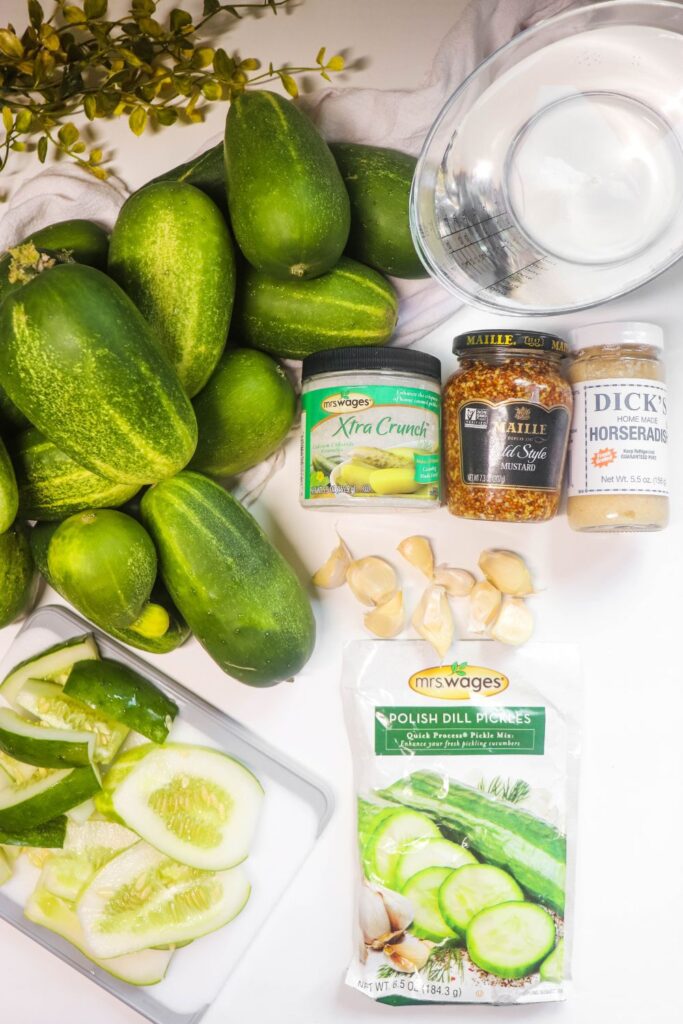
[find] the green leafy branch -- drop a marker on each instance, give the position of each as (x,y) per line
(76,62)
(506,789)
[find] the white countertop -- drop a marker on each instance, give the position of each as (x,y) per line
(616,597)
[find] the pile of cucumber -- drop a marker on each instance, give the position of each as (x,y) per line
(141,848)
(477,872)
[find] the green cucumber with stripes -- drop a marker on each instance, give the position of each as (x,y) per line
(52,664)
(118,692)
(42,746)
(172,253)
(48,836)
(36,801)
(82,363)
(17,575)
(352,305)
(77,240)
(9,493)
(206,172)
(48,703)
(239,596)
(288,205)
(52,486)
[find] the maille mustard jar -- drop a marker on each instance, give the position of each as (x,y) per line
(506,413)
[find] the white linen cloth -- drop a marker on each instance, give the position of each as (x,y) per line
(396,118)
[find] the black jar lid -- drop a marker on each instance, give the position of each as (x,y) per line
(510,341)
(401,360)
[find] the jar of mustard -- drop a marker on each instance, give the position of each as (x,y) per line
(506,412)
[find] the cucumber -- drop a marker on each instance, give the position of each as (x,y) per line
(77,240)
(378,181)
(243,414)
(52,486)
(369,817)
(392,837)
(206,172)
(510,939)
(352,305)
(48,836)
(288,205)
(423,892)
(87,848)
(194,804)
(146,967)
(104,563)
(239,596)
(32,803)
(142,898)
(82,363)
(9,494)
(17,575)
(118,692)
(53,664)
(48,702)
(552,968)
(117,772)
(42,746)
(529,848)
(6,868)
(16,771)
(432,853)
(171,252)
(470,889)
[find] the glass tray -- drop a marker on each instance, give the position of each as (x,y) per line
(296,809)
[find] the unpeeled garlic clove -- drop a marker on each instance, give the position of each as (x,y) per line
(399,908)
(456,582)
(373,916)
(333,573)
(433,619)
(514,624)
(485,600)
(507,571)
(388,619)
(418,551)
(372,580)
(408,955)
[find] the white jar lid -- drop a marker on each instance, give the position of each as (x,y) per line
(617,332)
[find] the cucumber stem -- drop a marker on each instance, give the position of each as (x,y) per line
(153,623)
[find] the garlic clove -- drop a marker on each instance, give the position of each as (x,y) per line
(514,624)
(399,908)
(373,916)
(408,955)
(456,582)
(388,619)
(433,619)
(372,580)
(485,601)
(333,573)
(507,571)
(418,551)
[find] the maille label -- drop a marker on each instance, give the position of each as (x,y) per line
(347,402)
(458,681)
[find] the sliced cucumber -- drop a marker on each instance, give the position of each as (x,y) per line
(194,804)
(369,817)
(6,868)
(87,848)
(82,812)
(146,967)
(552,968)
(48,702)
(48,836)
(35,801)
(122,767)
(399,832)
(142,898)
(17,771)
(423,892)
(511,939)
(42,746)
(473,887)
(54,664)
(431,853)
(112,689)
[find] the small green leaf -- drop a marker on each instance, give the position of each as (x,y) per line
(7,119)
(166,115)
(138,120)
(10,45)
(18,147)
(73,15)
(336,63)
(321,55)
(35,13)
(290,85)
(210,7)
(144,7)
(179,19)
(95,8)
(90,107)
(23,120)
(42,148)
(250,64)
(95,156)
(68,134)
(223,64)
(212,90)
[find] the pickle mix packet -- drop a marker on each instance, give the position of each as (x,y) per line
(466,783)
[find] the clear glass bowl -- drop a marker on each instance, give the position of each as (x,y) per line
(552,179)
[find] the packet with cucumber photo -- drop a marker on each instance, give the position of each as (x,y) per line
(466,780)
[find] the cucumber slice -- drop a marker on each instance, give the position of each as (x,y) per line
(144,968)
(423,892)
(48,836)
(511,939)
(369,817)
(54,664)
(112,689)
(194,804)
(17,770)
(42,746)
(399,832)
(552,968)
(35,801)
(432,853)
(472,888)
(82,812)
(6,868)
(142,898)
(87,848)
(48,702)
(116,773)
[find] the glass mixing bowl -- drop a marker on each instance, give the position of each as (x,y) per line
(552,179)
